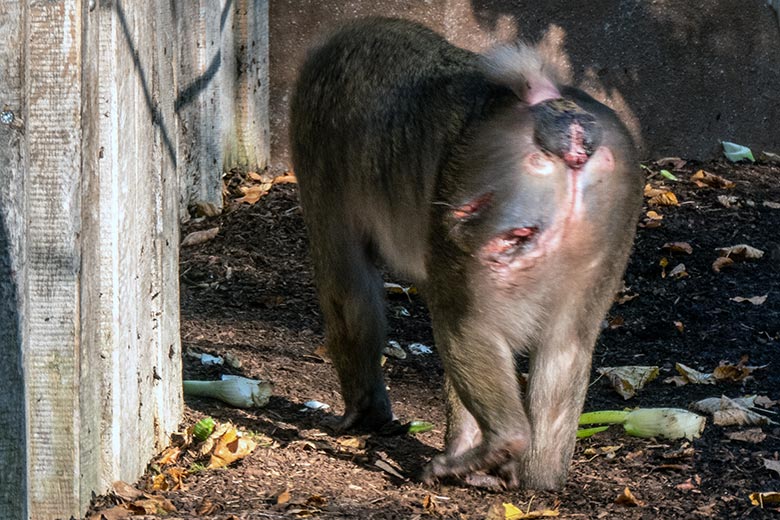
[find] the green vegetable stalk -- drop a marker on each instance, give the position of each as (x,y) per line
(670,423)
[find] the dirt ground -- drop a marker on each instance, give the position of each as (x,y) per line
(249,293)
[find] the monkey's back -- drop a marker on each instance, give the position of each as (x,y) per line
(375,115)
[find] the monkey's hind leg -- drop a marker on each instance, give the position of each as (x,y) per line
(352,302)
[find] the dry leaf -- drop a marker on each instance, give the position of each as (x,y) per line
(721,262)
(729,372)
(627,498)
(322,353)
(125,491)
(679,326)
(650,192)
(199,237)
(627,380)
(762,499)
(755,300)
(740,252)
(727,201)
(713,404)
(764,401)
(230,448)
(283,497)
(678,272)
(177,475)
(626,297)
(675,162)
(694,376)
(387,468)
(739,417)
(169,456)
(151,505)
(652,220)
(664,199)
(393,349)
(677,247)
(753,435)
(285,179)
(704,179)
(253,193)
(256,176)
(115,513)
(159,483)
(772,465)
(772,205)
(357,443)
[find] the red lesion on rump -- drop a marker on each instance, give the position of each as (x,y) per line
(473,207)
(502,248)
(577,154)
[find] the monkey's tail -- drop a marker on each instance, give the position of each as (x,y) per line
(523,69)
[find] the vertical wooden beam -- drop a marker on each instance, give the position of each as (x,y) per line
(94,345)
(88,249)
(222,103)
(13,461)
(51,342)
(247,144)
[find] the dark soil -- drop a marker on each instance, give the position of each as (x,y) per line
(249,293)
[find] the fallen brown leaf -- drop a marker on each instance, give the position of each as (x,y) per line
(721,262)
(626,498)
(199,237)
(283,497)
(169,456)
(677,247)
(230,448)
(253,193)
(114,513)
(664,199)
(285,179)
(704,179)
(151,505)
(753,435)
(125,491)
(208,507)
(740,252)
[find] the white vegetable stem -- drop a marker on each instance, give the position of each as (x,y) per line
(237,391)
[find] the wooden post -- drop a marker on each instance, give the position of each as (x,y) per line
(88,249)
(222,103)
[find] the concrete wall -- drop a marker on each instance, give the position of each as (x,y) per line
(683,75)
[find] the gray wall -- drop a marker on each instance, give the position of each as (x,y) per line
(683,75)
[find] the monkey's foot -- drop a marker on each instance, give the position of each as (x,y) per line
(372,420)
(492,466)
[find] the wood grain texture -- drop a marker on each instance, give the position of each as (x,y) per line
(89,204)
(13,481)
(51,346)
(222,103)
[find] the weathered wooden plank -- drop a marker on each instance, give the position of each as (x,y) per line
(169,400)
(51,348)
(200,60)
(247,142)
(223,96)
(13,477)
(90,362)
(140,232)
